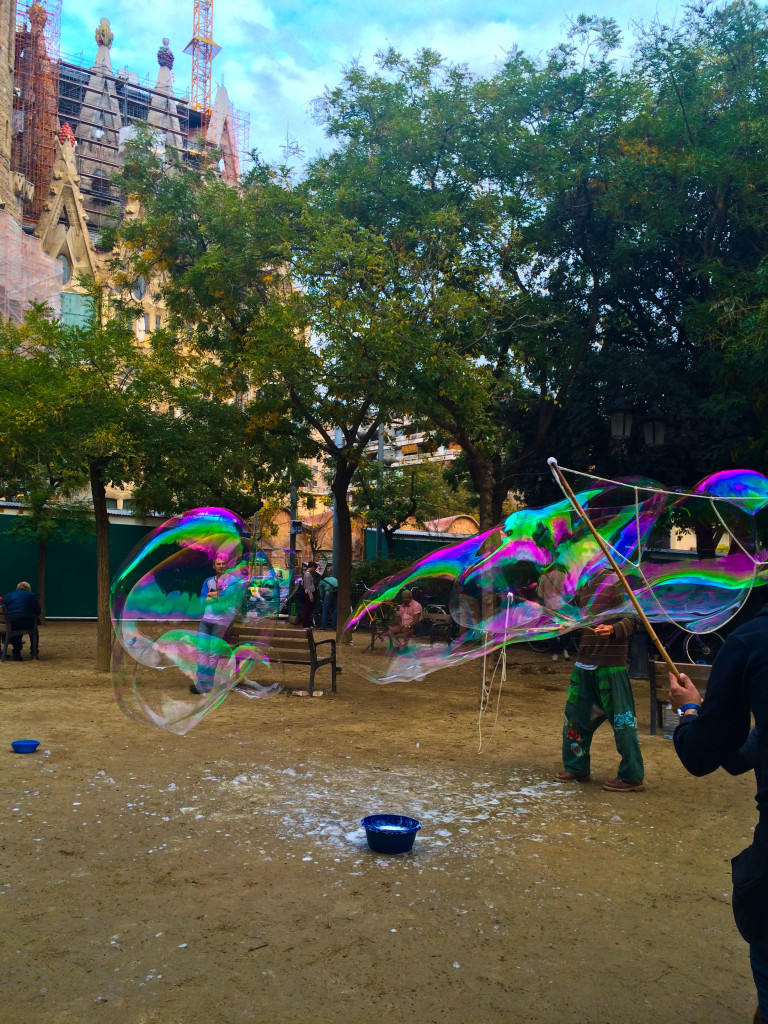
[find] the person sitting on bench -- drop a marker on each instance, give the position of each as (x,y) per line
(23,611)
(408,614)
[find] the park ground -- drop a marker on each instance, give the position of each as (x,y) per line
(222,876)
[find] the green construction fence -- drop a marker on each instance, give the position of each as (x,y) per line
(70,588)
(410,545)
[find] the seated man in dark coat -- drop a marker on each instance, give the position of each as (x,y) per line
(23,610)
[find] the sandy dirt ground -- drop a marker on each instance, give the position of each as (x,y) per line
(223,876)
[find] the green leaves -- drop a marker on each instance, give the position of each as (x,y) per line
(490,259)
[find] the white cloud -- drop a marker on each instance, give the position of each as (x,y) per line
(277,57)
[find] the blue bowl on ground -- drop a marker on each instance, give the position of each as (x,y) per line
(390,833)
(25,746)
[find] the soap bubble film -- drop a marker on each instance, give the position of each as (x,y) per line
(194,606)
(542,574)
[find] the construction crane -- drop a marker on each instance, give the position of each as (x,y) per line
(202,49)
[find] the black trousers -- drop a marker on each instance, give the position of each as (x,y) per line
(17,641)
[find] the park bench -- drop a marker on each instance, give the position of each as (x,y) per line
(659,679)
(9,634)
(291,646)
(435,625)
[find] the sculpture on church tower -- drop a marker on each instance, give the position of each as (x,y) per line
(103,34)
(164,55)
(163,113)
(65,132)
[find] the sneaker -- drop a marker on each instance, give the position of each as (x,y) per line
(619,786)
(566,776)
(566,655)
(554,657)
(17,657)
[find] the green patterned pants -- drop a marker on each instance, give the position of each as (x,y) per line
(595,695)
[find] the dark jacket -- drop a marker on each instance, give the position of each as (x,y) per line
(719,736)
(21,606)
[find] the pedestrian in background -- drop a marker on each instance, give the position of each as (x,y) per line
(328,592)
(309,586)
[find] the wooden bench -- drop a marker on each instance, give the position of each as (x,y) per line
(383,618)
(11,634)
(659,677)
(291,646)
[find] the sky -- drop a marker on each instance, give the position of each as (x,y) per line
(277,56)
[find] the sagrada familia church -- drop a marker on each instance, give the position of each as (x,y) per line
(64,124)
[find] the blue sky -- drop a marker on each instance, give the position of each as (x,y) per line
(278,55)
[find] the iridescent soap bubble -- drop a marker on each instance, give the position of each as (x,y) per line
(194,606)
(542,573)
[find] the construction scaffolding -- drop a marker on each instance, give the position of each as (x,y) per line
(27,274)
(35,101)
(102,108)
(242,131)
(81,106)
(229,132)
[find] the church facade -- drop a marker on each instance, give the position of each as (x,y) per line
(63,130)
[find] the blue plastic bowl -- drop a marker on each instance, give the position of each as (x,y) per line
(390,833)
(25,746)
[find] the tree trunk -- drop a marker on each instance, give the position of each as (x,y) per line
(104,623)
(482,476)
(706,543)
(340,489)
(42,558)
(390,539)
(498,497)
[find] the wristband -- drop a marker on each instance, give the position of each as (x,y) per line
(689,707)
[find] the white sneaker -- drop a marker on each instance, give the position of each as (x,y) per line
(554,657)
(566,655)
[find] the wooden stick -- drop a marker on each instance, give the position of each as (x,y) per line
(552,463)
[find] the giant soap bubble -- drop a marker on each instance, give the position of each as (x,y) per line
(193,609)
(542,573)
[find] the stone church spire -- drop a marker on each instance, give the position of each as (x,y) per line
(221,134)
(98,132)
(163,113)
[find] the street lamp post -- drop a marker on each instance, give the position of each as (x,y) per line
(293,531)
(385,457)
(338,440)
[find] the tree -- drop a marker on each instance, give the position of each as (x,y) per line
(563,231)
(46,518)
(494,249)
(682,325)
(315,376)
(72,398)
(389,497)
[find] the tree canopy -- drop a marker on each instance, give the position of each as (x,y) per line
(493,259)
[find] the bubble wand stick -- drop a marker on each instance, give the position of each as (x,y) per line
(556,472)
